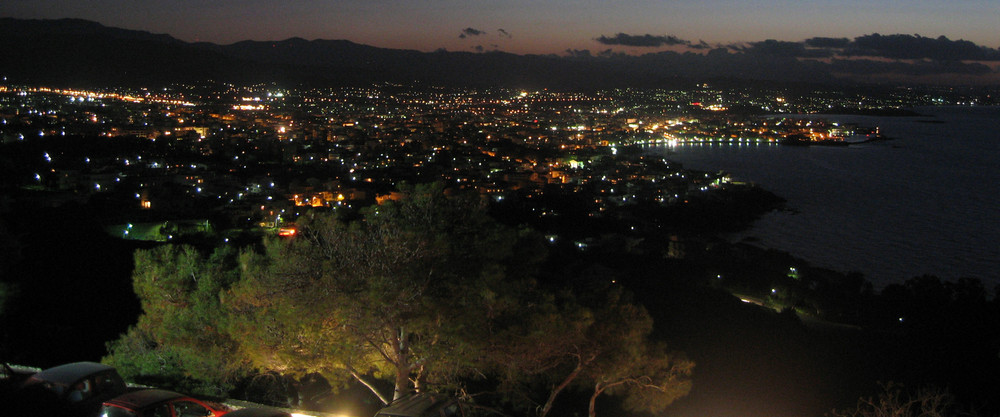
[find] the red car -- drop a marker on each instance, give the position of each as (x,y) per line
(160,403)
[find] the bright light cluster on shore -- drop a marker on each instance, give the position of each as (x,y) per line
(83,94)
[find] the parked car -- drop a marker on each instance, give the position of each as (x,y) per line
(424,405)
(11,395)
(160,403)
(12,377)
(258,412)
(76,388)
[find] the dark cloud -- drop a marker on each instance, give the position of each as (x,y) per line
(876,46)
(503,33)
(820,42)
(868,67)
(478,48)
(919,47)
(647,40)
(735,47)
(869,57)
(470,32)
(786,49)
(700,45)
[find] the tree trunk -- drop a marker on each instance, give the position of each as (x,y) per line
(592,408)
(402,383)
(420,379)
(401,350)
(555,391)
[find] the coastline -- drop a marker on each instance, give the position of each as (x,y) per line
(893,209)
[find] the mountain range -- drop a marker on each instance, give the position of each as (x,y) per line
(82,53)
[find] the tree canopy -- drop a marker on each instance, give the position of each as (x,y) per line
(181,338)
(599,342)
(424,293)
(407,293)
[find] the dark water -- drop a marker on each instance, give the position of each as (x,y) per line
(927,202)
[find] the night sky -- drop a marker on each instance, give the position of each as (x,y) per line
(524,26)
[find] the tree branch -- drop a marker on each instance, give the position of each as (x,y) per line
(364,381)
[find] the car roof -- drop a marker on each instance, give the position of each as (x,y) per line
(415,405)
(71,372)
(144,398)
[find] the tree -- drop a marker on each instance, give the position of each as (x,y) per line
(544,353)
(894,402)
(409,293)
(647,375)
(180,340)
(603,342)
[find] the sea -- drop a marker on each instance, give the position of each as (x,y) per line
(925,202)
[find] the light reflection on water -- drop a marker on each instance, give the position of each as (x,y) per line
(924,203)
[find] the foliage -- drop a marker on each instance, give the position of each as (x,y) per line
(180,339)
(602,341)
(409,293)
(424,293)
(893,401)
(541,354)
(629,364)
(646,374)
